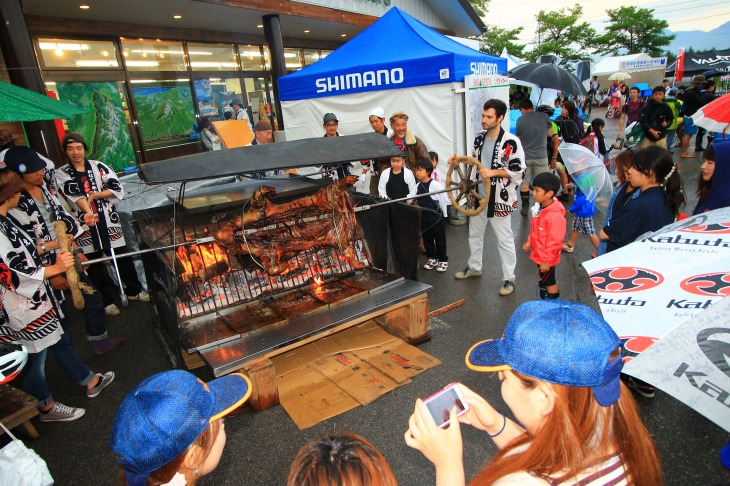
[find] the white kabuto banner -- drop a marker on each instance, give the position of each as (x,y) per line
(646,288)
(691,363)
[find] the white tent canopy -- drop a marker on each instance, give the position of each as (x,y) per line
(606,67)
(512,61)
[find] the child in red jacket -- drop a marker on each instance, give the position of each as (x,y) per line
(546,232)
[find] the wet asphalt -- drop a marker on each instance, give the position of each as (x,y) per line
(261,446)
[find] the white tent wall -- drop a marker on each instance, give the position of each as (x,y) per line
(435,115)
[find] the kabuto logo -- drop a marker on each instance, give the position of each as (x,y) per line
(714,228)
(625,279)
(710,284)
(716,350)
(635,345)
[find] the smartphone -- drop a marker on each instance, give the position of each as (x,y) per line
(440,404)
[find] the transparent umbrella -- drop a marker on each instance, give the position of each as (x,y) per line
(589,173)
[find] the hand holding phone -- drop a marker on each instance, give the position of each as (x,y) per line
(440,404)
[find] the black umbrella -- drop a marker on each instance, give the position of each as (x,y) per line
(549,76)
(715,72)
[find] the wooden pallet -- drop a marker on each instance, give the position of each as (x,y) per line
(16,410)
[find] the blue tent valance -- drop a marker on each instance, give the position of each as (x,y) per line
(397,51)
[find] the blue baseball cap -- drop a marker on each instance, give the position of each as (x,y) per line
(559,342)
(165,413)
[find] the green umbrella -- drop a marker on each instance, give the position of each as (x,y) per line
(21,105)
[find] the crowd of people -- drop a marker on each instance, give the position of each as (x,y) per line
(575,418)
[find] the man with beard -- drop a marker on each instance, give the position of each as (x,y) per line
(503,159)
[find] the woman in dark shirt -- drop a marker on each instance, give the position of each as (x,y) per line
(654,173)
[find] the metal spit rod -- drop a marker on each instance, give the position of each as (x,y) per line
(211,239)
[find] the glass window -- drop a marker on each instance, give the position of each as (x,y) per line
(292,59)
(77,54)
(212,57)
(165,112)
(106,124)
(215,94)
(325,53)
(153,55)
(251,59)
(310,56)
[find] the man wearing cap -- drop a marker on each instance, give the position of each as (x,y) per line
(37,211)
(333,171)
(263,134)
(377,166)
(239,113)
(92,188)
(693,101)
(707,95)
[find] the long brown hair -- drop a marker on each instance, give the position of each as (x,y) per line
(341,459)
(577,433)
(165,474)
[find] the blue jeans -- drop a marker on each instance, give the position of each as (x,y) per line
(94,315)
(670,138)
(34,374)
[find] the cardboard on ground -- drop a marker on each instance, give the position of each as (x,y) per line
(233,133)
(344,370)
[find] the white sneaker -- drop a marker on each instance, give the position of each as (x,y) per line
(112,310)
(62,413)
(142,297)
(430,264)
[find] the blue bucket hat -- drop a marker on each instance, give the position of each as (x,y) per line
(559,342)
(165,413)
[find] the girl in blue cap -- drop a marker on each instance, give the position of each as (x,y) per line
(559,363)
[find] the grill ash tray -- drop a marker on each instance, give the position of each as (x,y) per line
(294,304)
(334,292)
(250,318)
(371,280)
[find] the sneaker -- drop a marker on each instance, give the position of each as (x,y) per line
(62,413)
(430,264)
(568,248)
(103,346)
(467,272)
(442,266)
(642,388)
(112,310)
(507,288)
(142,297)
(104,381)
(524,210)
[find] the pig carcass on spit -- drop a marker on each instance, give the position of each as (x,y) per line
(324,219)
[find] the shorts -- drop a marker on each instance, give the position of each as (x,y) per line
(584,225)
(534,167)
(547,278)
(689,127)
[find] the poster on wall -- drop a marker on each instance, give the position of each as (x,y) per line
(204,93)
(104,126)
(166,114)
(479,89)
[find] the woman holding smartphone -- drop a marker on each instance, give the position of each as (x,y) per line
(575,417)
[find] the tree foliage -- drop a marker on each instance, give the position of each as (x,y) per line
(480,7)
(635,30)
(496,39)
(561,34)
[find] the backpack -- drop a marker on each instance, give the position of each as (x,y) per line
(568,130)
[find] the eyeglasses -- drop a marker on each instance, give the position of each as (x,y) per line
(331,124)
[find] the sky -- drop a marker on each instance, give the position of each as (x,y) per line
(681,15)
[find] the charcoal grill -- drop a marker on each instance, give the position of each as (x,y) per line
(231,307)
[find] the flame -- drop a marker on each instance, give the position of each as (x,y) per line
(318,280)
(198,257)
